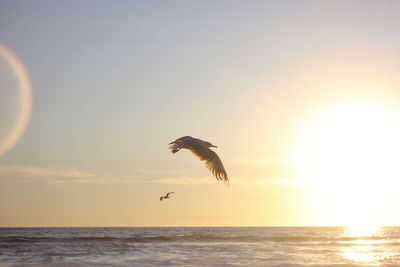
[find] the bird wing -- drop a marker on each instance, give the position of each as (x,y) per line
(169,193)
(213,162)
(175,146)
(179,143)
(161,198)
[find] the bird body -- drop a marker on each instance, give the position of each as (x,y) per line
(166,196)
(202,149)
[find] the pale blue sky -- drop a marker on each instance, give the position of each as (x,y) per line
(115,81)
(136,66)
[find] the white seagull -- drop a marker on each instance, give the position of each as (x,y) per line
(202,149)
(166,196)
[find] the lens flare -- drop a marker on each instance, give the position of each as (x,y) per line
(16,96)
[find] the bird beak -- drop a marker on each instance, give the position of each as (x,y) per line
(214,146)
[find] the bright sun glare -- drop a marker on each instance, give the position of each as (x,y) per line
(350,154)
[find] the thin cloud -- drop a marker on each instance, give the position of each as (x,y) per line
(268,168)
(261,161)
(183,180)
(86,180)
(266,181)
(63,176)
(158,171)
(95,181)
(32,171)
(211,180)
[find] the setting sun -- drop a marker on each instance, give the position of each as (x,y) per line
(350,153)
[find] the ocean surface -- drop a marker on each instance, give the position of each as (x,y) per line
(203,246)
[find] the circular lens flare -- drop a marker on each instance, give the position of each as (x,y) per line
(16,95)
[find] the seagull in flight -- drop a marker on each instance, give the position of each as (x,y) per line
(202,149)
(166,196)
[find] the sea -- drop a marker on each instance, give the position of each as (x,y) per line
(201,246)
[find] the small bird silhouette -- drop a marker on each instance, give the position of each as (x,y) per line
(202,149)
(166,196)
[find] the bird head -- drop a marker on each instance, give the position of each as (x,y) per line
(210,145)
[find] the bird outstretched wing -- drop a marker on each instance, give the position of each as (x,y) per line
(169,193)
(213,162)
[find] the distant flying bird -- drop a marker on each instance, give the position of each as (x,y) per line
(202,149)
(166,196)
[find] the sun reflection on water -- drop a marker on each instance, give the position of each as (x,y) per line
(363,231)
(365,245)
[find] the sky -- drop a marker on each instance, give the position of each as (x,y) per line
(301,98)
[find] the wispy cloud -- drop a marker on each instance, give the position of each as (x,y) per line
(158,171)
(265,181)
(73,175)
(182,180)
(260,161)
(97,180)
(270,169)
(33,171)
(212,180)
